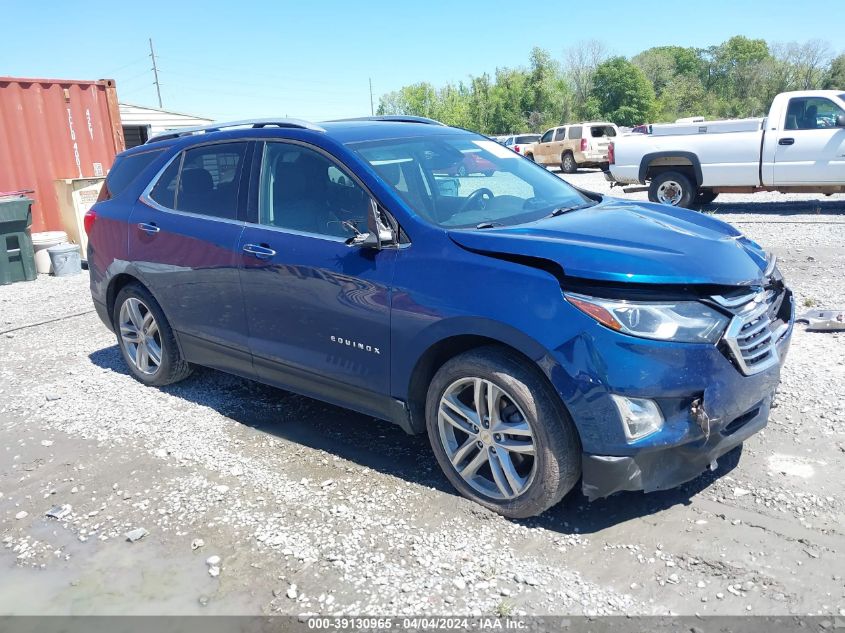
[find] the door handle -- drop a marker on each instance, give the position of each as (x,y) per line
(149,228)
(258,251)
(786,141)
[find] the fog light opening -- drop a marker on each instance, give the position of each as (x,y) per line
(640,416)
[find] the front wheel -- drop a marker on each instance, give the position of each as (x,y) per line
(530,157)
(146,339)
(500,433)
(672,188)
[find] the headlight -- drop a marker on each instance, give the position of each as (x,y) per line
(681,321)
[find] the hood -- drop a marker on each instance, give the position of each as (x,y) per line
(624,241)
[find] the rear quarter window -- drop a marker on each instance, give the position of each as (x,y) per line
(575,132)
(125,170)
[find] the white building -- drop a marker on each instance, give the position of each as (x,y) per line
(141,122)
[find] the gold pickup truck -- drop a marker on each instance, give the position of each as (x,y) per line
(572,146)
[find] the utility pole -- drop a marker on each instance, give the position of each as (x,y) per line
(372,112)
(155,72)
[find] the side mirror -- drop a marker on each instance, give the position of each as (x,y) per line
(378,235)
(840,120)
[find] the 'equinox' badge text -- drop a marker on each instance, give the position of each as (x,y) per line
(349,343)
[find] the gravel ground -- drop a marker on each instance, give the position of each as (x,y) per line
(253,500)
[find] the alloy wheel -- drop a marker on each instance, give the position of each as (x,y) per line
(140,336)
(487,438)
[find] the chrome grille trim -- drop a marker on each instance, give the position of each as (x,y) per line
(751,341)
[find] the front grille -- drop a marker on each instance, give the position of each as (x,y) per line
(761,319)
(751,340)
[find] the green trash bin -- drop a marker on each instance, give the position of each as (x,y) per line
(17,259)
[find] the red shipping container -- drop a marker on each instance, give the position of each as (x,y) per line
(52,129)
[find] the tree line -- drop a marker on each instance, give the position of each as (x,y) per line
(737,78)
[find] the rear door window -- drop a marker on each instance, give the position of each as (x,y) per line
(125,170)
(560,134)
(575,132)
(209,180)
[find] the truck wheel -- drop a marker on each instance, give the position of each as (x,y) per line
(568,164)
(501,434)
(146,339)
(672,188)
(530,157)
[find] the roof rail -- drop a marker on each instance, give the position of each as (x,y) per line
(251,123)
(395,118)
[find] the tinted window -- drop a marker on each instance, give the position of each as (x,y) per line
(560,134)
(598,131)
(127,168)
(547,136)
(811,113)
(575,132)
(304,190)
(209,179)
(164,191)
(527,138)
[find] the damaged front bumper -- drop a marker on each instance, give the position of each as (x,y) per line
(734,403)
(649,471)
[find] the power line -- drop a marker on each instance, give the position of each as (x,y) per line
(124,67)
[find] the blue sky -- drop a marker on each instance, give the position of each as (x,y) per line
(313,60)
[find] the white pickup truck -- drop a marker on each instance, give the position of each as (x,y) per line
(798,148)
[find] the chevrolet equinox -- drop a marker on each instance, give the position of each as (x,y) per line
(540,335)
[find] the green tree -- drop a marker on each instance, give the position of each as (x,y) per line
(622,93)
(662,64)
(417,99)
(835,75)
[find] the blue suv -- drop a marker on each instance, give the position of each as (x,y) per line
(540,334)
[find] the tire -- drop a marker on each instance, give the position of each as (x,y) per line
(568,164)
(530,157)
(171,367)
(672,188)
(526,401)
(462,171)
(705,196)
(488,174)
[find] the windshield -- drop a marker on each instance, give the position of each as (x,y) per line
(460,181)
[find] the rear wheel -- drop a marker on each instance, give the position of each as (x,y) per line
(500,433)
(672,188)
(568,164)
(146,339)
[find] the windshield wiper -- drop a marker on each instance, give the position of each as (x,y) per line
(562,210)
(488,225)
